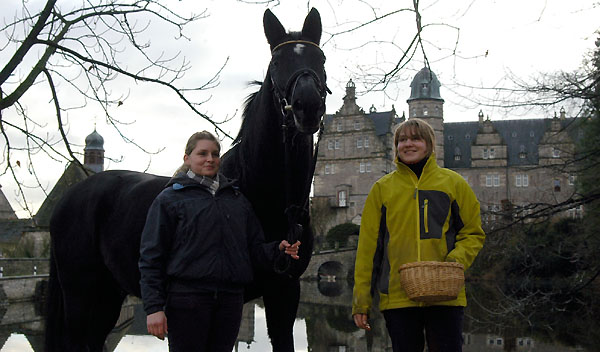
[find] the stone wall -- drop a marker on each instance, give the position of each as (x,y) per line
(24,266)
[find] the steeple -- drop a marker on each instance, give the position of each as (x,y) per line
(93,157)
(426,103)
(350,107)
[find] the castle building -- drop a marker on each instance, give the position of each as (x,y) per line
(515,167)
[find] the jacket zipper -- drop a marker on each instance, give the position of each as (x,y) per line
(425,206)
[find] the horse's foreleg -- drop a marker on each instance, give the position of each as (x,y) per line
(281,299)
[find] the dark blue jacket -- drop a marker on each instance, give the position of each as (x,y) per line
(194,241)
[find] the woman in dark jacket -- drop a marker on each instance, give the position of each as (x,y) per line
(199,245)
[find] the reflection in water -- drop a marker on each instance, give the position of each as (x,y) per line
(493,322)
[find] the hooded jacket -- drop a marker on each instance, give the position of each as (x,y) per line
(407,219)
(194,241)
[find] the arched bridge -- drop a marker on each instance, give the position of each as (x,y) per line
(331,264)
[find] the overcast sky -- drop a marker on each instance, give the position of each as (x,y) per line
(471,43)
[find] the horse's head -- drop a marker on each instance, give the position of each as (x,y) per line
(297,70)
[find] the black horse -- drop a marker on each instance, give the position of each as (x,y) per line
(96,227)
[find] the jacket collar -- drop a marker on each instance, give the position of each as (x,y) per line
(182,180)
(429,166)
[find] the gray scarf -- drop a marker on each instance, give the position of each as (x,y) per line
(211,183)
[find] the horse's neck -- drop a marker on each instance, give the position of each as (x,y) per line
(266,161)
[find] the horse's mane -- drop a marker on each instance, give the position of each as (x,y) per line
(247,106)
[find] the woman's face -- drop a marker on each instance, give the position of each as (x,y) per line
(204,160)
(411,149)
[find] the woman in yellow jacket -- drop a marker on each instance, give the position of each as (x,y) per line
(419,212)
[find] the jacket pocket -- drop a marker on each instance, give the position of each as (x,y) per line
(434,207)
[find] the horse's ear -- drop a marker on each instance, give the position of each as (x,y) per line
(312,26)
(274,31)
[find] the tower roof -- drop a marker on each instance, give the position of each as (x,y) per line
(425,85)
(94,141)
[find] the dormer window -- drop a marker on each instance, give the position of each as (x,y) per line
(522,152)
(457,154)
(424,88)
(555,152)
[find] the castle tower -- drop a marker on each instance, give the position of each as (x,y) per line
(426,103)
(93,157)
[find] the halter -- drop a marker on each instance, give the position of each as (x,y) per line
(282,95)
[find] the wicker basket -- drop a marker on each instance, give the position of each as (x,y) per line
(432,281)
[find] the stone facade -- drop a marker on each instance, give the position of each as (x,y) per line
(354,152)
(512,165)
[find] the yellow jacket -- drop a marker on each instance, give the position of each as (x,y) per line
(405,219)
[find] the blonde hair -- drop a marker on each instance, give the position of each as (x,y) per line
(191,144)
(415,129)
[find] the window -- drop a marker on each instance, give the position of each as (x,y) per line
(514,134)
(576,212)
(556,185)
(339,126)
(489,153)
(488,180)
(522,152)
(492,180)
(359,143)
(531,134)
(342,201)
(337,144)
(571,180)
(555,152)
(330,145)
(357,125)
(364,167)
(457,157)
(329,169)
(457,154)
(522,180)
(366,142)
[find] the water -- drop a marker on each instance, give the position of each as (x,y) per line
(493,322)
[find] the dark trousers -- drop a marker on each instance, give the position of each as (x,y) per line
(441,326)
(202,322)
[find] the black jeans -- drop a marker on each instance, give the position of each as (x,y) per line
(441,326)
(202,322)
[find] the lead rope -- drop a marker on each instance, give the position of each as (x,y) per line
(293,211)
